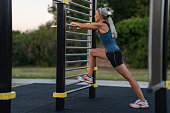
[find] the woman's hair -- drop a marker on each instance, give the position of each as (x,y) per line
(106,17)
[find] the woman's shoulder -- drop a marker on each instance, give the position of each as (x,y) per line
(100,24)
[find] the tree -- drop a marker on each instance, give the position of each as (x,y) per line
(125,9)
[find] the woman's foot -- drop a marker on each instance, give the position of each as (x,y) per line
(86,79)
(139,104)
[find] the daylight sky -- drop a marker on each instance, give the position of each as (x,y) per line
(29,14)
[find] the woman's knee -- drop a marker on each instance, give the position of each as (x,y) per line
(92,52)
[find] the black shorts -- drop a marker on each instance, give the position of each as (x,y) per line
(115,58)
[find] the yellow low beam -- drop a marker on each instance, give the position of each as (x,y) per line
(59,95)
(7,96)
(66,1)
(95,85)
(95,68)
(167,84)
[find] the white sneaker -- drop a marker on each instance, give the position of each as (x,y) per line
(86,79)
(139,104)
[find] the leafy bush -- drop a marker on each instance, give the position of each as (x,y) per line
(133,41)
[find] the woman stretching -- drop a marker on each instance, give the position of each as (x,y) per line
(112,53)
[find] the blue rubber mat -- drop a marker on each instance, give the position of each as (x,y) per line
(37,98)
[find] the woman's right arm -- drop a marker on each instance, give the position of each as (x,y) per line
(94,26)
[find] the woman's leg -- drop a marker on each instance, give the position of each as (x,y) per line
(98,52)
(122,69)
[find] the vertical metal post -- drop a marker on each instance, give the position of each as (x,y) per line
(92,91)
(160,101)
(165,40)
(161,94)
(5,52)
(60,74)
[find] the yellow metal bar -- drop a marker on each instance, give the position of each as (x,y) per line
(66,1)
(167,84)
(95,68)
(59,95)
(95,85)
(7,96)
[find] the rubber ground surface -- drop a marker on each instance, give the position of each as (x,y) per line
(37,98)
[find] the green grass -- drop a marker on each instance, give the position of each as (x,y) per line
(102,73)
(17,84)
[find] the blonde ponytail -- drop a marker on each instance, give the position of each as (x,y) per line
(106,17)
(112,27)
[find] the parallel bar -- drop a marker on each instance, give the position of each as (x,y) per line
(77,33)
(70,69)
(78,54)
(5,52)
(87,1)
(78,12)
(72,76)
(82,20)
(74,83)
(76,61)
(78,89)
(72,47)
(75,40)
(75,4)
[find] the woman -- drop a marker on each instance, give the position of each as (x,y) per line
(112,53)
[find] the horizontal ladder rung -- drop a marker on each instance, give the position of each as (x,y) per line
(78,12)
(78,54)
(87,1)
(72,76)
(73,83)
(78,89)
(77,68)
(71,25)
(78,33)
(76,61)
(72,47)
(55,26)
(75,40)
(79,5)
(82,20)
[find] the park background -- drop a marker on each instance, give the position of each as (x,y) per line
(34,50)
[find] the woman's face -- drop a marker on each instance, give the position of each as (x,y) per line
(97,16)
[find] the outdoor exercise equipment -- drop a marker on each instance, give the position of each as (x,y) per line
(158,37)
(5,56)
(63,6)
(157,52)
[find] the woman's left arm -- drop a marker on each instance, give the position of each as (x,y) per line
(94,26)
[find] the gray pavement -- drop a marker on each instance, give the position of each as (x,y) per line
(99,82)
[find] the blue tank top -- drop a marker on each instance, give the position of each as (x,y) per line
(107,41)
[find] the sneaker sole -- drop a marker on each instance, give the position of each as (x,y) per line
(82,80)
(139,107)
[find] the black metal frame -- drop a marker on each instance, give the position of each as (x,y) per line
(92,90)
(60,74)
(5,52)
(161,94)
(61,50)
(158,61)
